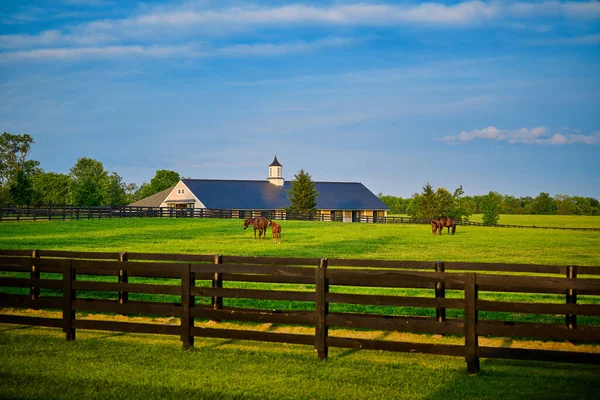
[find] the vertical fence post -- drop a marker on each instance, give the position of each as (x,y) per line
(571,319)
(123,278)
(187,303)
(217,283)
(440,293)
(471,340)
(68,298)
(34,291)
(322,309)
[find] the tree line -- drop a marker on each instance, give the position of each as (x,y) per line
(432,203)
(88,184)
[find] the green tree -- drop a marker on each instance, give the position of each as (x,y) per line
(461,209)
(114,191)
(163,179)
(543,204)
(397,205)
(302,194)
(444,203)
(20,189)
(51,188)
(89,182)
(15,170)
(427,207)
(490,207)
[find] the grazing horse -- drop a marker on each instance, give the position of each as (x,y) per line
(435,226)
(275,230)
(260,223)
(446,222)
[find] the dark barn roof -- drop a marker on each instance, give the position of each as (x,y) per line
(262,195)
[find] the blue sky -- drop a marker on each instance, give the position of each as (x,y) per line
(491,95)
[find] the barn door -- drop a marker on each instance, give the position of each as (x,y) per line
(355,216)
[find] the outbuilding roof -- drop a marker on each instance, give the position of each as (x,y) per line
(262,195)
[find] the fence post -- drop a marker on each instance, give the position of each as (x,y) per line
(68,298)
(440,293)
(123,278)
(571,319)
(217,283)
(471,341)
(187,303)
(322,309)
(34,291)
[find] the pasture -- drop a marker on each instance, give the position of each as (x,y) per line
(103,364)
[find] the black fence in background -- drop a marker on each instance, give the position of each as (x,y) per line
(35,213)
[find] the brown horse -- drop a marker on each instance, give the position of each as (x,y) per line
(260,223)
(275,230)
(446,222)
(434,226)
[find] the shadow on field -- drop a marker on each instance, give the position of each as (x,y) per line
(511,379)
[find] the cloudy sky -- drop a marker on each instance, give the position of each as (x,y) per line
(491,95)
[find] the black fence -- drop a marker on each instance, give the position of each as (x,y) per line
(35,213)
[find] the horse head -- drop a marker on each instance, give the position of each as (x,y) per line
(247,222)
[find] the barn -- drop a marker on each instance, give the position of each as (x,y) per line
(347,201)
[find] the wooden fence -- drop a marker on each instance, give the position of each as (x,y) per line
(39,213)
(203,276)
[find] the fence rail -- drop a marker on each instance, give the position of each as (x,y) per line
(35,213)
(202,276)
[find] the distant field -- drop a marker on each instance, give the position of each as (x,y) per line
(562,221)
(309,239)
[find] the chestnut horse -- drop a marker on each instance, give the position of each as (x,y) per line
(275,230)
(434,226)
(445,222)
(260,223)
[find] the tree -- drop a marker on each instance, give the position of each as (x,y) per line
(163,179)
(51,188)
(444,203)
(302,194)
(114,191)
(461,205)
(15,169)
(89,182)
(490,207)
(543,204)
(427,203)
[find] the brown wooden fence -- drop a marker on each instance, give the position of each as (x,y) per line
(41,213)
(202,276)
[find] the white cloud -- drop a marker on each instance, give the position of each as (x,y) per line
(525,136)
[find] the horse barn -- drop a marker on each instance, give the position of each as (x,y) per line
(341,201)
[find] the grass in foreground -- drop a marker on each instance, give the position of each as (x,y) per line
(308,239)
(37,363)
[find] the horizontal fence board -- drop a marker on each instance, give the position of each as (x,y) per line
(264,278)
(27,283)
(382,300)
(540,355)
(386,278)
(540,331)
(14,268)
(291,317)
(33,321)
(127,287)
(254,294)
(539,308)
(169,257)
(341,262)
(130,327)
(16,253)
(93,255)
(500,267)
(113,306)
(402,324)
(15,261)
(25,301)
(254,269)
(270,260)
(254,335)
(167,270)
(588,270)
(535,282)
(405,347)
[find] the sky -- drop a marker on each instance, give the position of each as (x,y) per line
(492,95)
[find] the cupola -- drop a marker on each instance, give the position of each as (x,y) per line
(275,175)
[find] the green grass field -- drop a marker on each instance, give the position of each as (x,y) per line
(38,363)
(309,239)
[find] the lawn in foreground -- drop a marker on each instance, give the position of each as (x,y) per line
(37,363)
(308,239)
